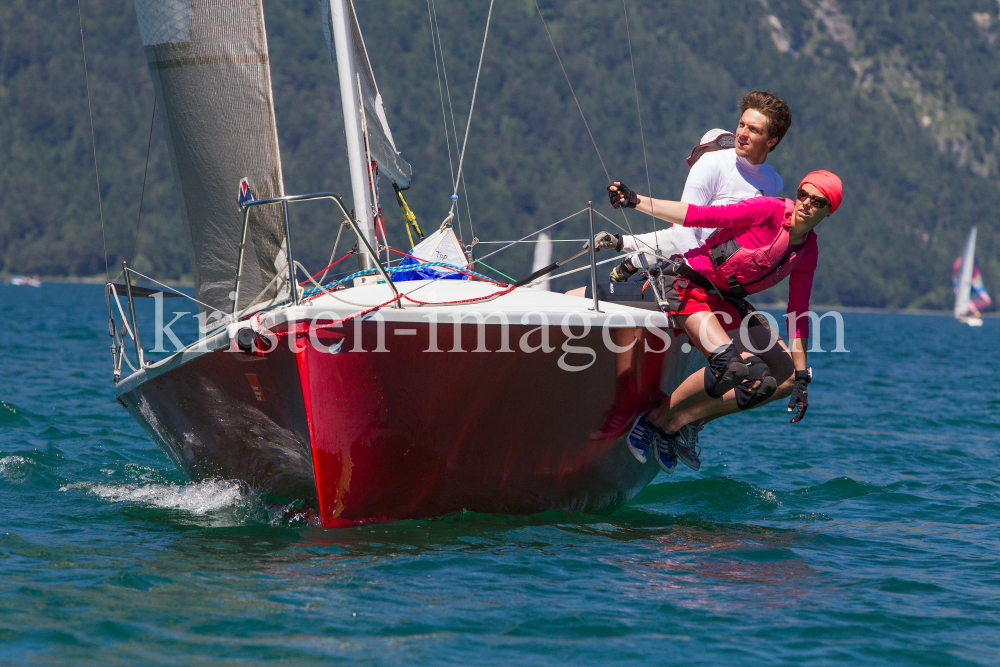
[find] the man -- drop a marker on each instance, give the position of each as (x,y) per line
(759,242)
(718,177)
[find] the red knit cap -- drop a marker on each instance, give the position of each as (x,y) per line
(828,183)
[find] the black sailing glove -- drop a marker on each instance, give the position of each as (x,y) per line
(799,400)
(621,196)
(608,241)
(623,272)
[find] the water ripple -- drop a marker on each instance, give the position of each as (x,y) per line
(864,535)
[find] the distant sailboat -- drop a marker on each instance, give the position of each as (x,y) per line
(970,293)
(543,257)
(23,281)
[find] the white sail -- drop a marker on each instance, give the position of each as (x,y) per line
(965,276)
(543,257)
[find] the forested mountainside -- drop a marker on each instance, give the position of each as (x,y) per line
(901,98)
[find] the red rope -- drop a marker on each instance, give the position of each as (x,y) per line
(328,268)
(478,298)
(507,290)
(332,324)
(298,331)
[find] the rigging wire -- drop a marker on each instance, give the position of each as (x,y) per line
(93,140)
(642,137)
(472,106)
(436,45)
(145,171)
(334,253)
(579,108)
(454,128)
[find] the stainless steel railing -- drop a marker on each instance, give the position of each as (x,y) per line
(288,244)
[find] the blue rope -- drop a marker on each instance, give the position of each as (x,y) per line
(312,291)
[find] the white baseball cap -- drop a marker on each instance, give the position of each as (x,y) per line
(714,138)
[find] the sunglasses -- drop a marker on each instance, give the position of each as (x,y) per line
(817,202)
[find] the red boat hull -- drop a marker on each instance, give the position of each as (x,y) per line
(404,433)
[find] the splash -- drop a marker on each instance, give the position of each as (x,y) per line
(197,498)
(13,468)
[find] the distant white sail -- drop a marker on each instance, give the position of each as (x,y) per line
(543,257)
(963,290)
(380,142)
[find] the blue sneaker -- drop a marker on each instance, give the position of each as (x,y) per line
(641,439)
(666,456)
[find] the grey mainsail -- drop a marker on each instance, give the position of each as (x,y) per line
(380,143)
(209,63)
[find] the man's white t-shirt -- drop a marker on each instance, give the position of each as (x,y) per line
(719,177)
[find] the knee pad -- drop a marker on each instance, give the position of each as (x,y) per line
(725,370)
(749,396)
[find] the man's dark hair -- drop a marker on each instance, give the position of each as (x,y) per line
(779,116)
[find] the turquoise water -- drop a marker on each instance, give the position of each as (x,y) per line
(865,535)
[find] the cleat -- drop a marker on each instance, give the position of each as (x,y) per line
(641,439)
(686,446)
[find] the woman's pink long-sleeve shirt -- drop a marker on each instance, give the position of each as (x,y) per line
(758,223)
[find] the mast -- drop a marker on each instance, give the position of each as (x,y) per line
(351,103)
(965,276)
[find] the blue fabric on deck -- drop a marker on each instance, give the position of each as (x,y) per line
(422,272)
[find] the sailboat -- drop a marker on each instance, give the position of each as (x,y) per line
(542,258)
(970,293)
(381,396)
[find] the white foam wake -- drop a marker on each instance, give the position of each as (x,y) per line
(13,468)
(197,498)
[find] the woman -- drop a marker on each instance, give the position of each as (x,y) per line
(759,243)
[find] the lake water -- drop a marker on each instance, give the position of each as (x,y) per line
(867,534)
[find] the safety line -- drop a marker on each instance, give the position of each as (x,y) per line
(549,241)
(93,140)
(187,296)
(533,234)
(587,266)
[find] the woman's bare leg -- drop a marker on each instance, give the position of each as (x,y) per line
(779,361)
(706,334)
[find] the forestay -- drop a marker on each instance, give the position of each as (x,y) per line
(209,64)
(380,142)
